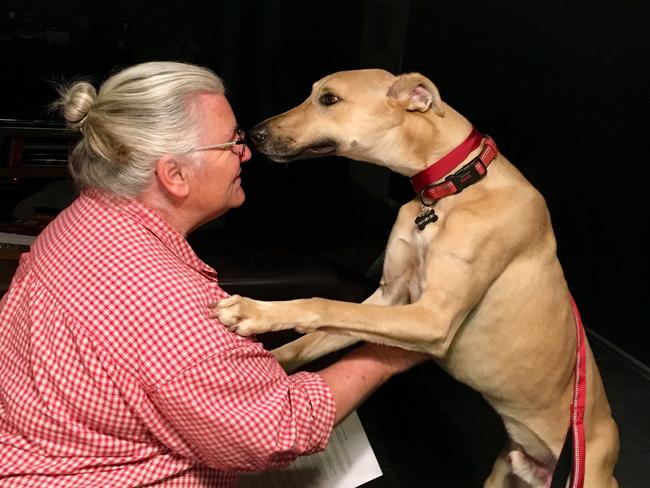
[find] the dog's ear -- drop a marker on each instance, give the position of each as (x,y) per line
(416,92)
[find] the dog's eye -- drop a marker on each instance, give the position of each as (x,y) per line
(328,99)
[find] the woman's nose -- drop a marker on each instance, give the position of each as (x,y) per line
(246,155)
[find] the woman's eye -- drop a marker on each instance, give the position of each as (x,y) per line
(328,99)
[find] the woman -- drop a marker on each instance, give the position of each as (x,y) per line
(112,372)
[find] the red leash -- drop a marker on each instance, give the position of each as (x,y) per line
(578,404)
(571,461)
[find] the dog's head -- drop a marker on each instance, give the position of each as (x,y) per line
(368,115)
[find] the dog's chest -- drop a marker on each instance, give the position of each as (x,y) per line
(407,254)
(421,241)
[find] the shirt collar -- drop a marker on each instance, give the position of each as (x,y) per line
(154,223)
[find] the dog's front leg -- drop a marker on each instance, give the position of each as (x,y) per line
(309,348)
(412,326)
(318,344)
(246,316)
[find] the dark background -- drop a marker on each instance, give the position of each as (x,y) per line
(561,86)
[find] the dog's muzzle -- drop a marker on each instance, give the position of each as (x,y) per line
(283,149)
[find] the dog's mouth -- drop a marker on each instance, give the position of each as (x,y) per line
(320,149)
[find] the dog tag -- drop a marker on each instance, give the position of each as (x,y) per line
(425,219)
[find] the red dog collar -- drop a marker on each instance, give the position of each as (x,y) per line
(424,181)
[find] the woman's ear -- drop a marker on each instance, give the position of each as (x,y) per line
(172,174)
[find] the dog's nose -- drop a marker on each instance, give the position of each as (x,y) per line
(258,134)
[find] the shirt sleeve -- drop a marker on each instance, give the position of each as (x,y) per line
(238,410)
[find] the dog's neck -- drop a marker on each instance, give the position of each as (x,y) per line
(428,185)
(447,163)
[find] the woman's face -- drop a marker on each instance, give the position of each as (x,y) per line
(215,181)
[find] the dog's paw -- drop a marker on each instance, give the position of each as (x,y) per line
(239,314)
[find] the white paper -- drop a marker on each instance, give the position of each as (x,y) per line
(347,462)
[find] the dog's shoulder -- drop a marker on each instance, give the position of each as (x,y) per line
(506,214)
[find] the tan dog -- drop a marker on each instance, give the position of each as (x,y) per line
(480,289)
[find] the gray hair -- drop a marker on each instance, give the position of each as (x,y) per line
(139,114)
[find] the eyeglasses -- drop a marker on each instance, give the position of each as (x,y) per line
(238,146)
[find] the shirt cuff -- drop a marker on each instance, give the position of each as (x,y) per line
(323,407)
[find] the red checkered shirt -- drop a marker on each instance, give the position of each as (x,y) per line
(112,373)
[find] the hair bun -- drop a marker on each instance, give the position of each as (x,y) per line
(76,102)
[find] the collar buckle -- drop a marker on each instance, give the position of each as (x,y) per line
(468,174)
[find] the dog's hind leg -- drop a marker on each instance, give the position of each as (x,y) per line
(533,473)
(501,473)
(601,455)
